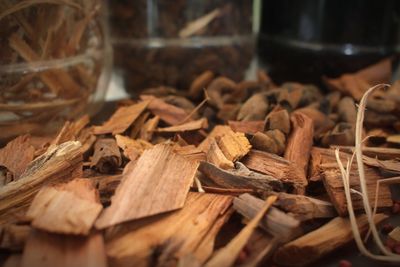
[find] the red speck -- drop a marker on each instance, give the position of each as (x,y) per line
(396,249)
(396,208)
(390,244)
(387,228)
(243,255)
(344,263)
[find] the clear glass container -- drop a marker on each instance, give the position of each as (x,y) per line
(55,64)
(161,42)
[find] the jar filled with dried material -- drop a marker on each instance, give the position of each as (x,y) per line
(161,42)
(55,63)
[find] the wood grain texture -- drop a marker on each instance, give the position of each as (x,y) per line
(48,250)
(216,132)
(275,166)
(275,221)
(185,127)
(320,242)
(300,141)
(216,157)
(168,113)
(159,182)
(121,119)
(66,209)
(191,230)
(16,155)
(234,145)
(58,164)
(332,179)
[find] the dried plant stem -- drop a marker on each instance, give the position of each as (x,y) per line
(346,181)
(378,183)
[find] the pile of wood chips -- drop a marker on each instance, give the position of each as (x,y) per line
(161,181)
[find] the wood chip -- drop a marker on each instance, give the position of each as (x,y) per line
(170,114)
(189,230)
(227,255)
(217,132)
(275,166)
(275,221)
(247,127)
(16,155)
(188,126)
(164,178)
(58,164)
(334,186)
(217,158)
(66,209)
(106,157)
(305,208)
(240,178)
(320,242)
(132,148)
(146,132)
(120,121)
(300,141)
(234,145)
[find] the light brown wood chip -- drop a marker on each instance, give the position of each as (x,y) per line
(159,182)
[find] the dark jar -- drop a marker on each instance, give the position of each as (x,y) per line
(304,40)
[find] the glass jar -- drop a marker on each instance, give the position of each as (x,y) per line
(55,63)
(161,42)
(303,40)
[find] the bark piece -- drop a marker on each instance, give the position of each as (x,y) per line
(16,155)
(347,110)
(174,235)
(300,141)
(275,221)
(275,166)
(58,164)
(188,126)
(200,83)
(106,186)
(247,127)
(217,158)
(305,208)
(322,123)
(170,114)
(120,121)
(318,243)
(159,182)
(66,209)
(234,145)
(240,178)
(278,120)
(273,141)
(255,108)
(48,250)
(106,157)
